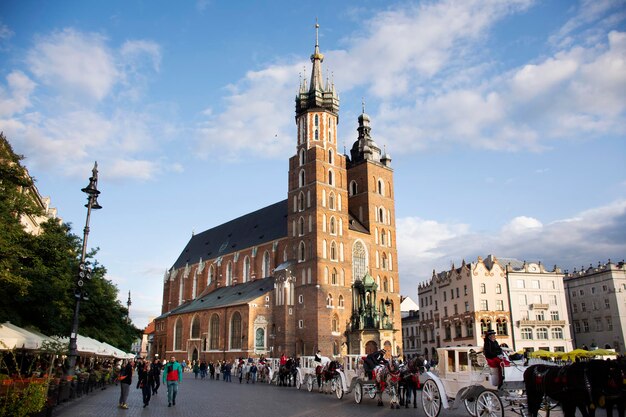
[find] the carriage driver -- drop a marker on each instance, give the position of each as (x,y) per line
(494,355)
(372,361)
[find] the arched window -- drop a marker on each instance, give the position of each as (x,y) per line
(381,215)
(229,273)
(557,333)
(178,335)
(353,187)
(527,333)
(246,269)
(302,252)
(302,157)
(235,331)
(330,156)
(333,230)
(340,302)
(542,333)
(214,332)
(301,201)
(383,236)
(333,251)
(301,226)
(381,187)
(194,285)
(301,178)
(195,328)
(331,201)
(317,120)
(211,274)
(384,261)
(329,300)
(385,285)
(266,264)
(359,264)
(330,177)
(335,324)
(333,277)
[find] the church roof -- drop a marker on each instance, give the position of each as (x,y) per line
(226,296)
(252,229)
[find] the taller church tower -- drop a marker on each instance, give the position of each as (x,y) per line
(314,289)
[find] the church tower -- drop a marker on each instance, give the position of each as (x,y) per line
(317,221)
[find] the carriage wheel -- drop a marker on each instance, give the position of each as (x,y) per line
(470,406)
(372,391)
(488,404)
(298,382)
(309,383)
(338,386)
(358,392)
(431,399)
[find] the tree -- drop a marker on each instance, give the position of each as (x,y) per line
(39,271)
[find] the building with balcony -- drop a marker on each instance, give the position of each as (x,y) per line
(596,299)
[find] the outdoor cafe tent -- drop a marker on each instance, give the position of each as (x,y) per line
(12,337)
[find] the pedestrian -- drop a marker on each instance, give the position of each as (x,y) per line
(172,376)
(196,369)
(253,370)
(203,370)
(126,378)
(146,382)
(156,376)
(218,370)
(240,372)
(211,370)
(184,365)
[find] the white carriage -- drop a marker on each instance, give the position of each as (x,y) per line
(463,377)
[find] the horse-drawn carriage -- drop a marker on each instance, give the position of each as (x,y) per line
(464,377)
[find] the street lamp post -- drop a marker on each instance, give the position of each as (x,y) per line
(84,272)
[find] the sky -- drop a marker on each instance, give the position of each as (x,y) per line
(505,121)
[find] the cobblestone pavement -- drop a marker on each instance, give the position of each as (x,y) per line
(198,397)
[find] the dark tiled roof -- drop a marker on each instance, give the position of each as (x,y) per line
(226,296)
(252,229)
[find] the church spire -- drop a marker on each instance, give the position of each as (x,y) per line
(317,58)
(317,96)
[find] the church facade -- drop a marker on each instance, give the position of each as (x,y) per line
(315,271)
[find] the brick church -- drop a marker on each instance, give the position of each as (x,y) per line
(318,270)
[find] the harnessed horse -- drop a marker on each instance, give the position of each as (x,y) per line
(410,381)
(326,373)
(582,385)
(286,371)
(387,378)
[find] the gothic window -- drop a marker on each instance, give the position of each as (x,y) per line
(301,226)
(381,187)
(333,251)
(335,324)
(333,277)
(178,335)
(330,156)
(214,332)
(246,269)
(359,264)
(194,286)
(384,261)
(331,201)
(381,215)
(317,134)
(301,178)
(211,274)
(317,120)
(353,187)
(333,229)
(340,303)
(301,201)
(229,274)
(302,157)
(235,331)
(329,300)
(302,252)
(383,236)
(385,285)
(330,177)
(180,291)
(195,328)
(266,264)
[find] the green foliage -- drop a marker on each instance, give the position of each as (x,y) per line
(23,395)
(40,271)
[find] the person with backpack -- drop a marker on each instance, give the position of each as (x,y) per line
(172,376)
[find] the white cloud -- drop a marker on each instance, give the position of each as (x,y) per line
(74,62)
(17,98)
(591,236)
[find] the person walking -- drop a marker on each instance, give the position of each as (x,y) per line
(218,370)
(155,369)
(126,378)
(196,369)
(146,382)
(253,370)
(172,376)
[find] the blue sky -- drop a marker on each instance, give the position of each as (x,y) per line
(506,121)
